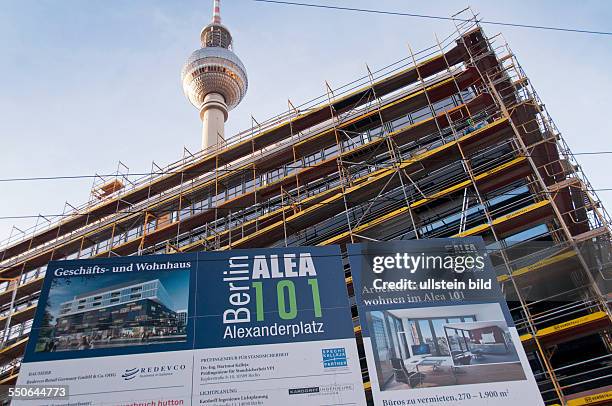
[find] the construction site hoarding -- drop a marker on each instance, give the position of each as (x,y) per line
(249,327)
(435,325)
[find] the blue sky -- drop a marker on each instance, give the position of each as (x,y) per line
(84,84)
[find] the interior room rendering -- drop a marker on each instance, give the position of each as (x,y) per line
(442,346)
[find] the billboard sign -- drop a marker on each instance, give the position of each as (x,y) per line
(249,327)
(436,327)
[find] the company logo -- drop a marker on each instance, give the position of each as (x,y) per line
(147,372)
(130,374)
(334,357)
(336,389)
(304,391)
(323,390)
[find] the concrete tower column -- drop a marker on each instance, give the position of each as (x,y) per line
(214,79)
(213,115)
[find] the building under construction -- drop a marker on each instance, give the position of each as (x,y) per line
(450,141)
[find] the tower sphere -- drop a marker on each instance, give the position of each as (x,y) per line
(214,68)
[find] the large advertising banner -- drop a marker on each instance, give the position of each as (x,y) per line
(247,327)
(435,326)
(274,327)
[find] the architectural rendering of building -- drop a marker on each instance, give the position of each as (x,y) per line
(182,317)
(120,311)
(452,141)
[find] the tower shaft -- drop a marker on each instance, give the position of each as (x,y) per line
(213,115)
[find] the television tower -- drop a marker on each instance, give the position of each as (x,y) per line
(214,79)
